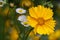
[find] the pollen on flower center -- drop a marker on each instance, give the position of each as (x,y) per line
(25,23)
(0,3)
(20,10)
(41,21)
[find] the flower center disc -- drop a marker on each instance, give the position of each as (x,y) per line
(20,10)
(25,23)
(41,21)
(1,3)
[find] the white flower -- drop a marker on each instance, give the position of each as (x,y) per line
(25,24)
(1,3)
(20,10)
(22,18)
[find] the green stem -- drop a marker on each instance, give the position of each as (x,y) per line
(26,35)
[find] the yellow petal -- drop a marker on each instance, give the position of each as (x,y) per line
(35,30)
(31,21)
(33,13)
(50,31)
(50,23)
(46,13)
(41,11)
(40,30)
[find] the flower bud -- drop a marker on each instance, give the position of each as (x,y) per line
(26,3)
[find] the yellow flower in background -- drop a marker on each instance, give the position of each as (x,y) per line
(35,38)
(14,34)
(7,24)
(41,19)
(26,3)
(32,36)
(55,35)
(5,11)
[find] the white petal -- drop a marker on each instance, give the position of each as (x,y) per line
(24,11)
(1,5)
(1,0)
(26,25)
(17,10)
(22,18)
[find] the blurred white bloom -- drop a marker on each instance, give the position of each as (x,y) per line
(25,24)
(2,3)
(12,4)
(20,10)
(22,18)
(1,0)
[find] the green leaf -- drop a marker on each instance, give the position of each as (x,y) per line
(2,22)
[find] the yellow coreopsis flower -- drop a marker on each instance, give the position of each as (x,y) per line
(55,35)
(41,19)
